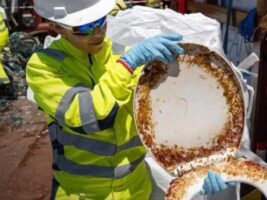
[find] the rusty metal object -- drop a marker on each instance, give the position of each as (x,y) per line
(212,65)
(202,95)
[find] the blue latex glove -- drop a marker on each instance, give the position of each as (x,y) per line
(163,47)
(214,183)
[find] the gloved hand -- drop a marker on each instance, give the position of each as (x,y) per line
(163,47)
(214,183)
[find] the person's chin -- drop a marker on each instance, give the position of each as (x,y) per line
(96,48)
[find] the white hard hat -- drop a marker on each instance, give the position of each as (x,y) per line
(73,12)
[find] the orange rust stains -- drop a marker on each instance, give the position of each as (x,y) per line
(214,65)
(231,167)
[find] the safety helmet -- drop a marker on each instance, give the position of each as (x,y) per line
(73,12)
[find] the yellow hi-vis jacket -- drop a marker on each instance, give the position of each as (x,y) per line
(88,101)
(3,40)
(4,79)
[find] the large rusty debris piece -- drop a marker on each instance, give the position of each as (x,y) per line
(171,156)
(184,155)
(25,151)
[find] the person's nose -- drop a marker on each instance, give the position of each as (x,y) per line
(98,31)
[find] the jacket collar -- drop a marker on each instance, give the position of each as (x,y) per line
(72,50)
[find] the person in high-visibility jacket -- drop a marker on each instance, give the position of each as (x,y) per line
(86,90)
(4,34)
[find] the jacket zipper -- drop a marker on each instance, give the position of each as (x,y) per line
(91,63)
(90,59)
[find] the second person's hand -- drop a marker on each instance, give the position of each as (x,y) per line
(214,183)
(162,47)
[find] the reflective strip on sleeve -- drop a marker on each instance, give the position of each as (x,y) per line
(103,124)
(88,119)
(89,122)
(66,102)
(58,55)
(61,163)
(98,147)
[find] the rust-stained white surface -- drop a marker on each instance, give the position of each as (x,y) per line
(189,107)
(191,118)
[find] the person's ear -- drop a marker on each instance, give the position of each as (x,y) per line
(57,28)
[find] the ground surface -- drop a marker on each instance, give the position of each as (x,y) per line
(25,153)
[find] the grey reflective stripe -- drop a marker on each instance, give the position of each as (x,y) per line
(103,124)
(66,102)
(87,144)
(84,170)
(59,55)
(134,142)
(90,145)
(121,171)
(118,48)
(53,131)
(87,114)
(90,124)
(92,170)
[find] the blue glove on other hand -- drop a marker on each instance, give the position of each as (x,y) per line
(214,183)
(163,48)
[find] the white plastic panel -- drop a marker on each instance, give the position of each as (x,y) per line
(189,109)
